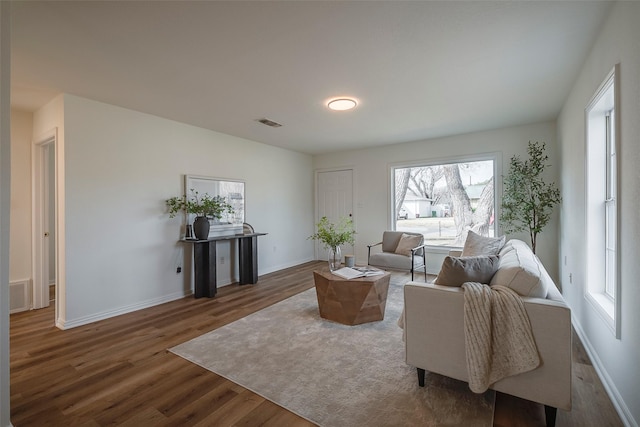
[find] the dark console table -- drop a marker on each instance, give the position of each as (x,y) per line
(204,262)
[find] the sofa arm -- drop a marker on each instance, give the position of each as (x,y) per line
(434,340)
(434,329)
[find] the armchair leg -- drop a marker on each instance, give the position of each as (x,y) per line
(413,263)
(550,414)
(421,373)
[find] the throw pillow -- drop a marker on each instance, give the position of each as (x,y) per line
(480,245)
(457,270)
(406,243)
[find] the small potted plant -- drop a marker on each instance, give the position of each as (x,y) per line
(203,207)
(334,235)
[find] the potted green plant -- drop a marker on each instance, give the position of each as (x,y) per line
(528,200)
(332,236)
(203,207)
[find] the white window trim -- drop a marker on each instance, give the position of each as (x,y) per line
(607,308)
(465,158)
(611,202)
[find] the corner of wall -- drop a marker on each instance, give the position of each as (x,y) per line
(5,200)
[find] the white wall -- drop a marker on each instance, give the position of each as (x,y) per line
(20,242)
(616,359)
(372,177)
(121,247)
(5,190)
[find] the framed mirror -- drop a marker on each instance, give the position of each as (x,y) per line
(232,190)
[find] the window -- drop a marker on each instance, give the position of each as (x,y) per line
(610,207)
(444,200)
(602,229)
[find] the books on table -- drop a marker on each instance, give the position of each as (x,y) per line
(369,271)
(355,272)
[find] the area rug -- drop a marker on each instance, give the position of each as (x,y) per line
(335,375)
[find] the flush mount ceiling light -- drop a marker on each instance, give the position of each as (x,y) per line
(342,104)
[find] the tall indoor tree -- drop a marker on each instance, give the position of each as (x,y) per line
(528,200)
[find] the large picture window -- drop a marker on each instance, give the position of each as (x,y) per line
(443,201)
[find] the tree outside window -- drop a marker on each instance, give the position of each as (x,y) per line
(445,201)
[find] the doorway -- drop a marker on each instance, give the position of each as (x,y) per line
(45,240)
(334,199)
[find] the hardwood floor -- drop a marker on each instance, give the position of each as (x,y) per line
(118,371)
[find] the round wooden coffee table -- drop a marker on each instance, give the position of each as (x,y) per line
(353,301)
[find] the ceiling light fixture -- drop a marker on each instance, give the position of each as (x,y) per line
(342,104)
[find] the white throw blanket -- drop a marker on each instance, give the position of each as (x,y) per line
(498,337)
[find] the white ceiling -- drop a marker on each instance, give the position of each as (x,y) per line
(419,69)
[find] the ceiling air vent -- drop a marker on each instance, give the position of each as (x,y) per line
(269,123)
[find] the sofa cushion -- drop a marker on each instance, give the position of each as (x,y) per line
(406,243)
(520,270)
(395,261)
(457,270)
(480,245)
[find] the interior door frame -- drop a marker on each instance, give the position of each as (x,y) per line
(352,169)
(40,215)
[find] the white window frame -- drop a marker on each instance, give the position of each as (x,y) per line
(496,157)
(611,209)
(602,214)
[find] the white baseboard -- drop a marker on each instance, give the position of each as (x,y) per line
(226,281)
(19,295)
(286,265)
(607,382)
(74,323)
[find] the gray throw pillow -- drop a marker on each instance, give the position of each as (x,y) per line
(480,245)
(457,270)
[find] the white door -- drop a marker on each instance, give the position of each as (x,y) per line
(44,220)
(334,195)
(50,212)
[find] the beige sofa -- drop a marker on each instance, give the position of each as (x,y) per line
(434,330)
